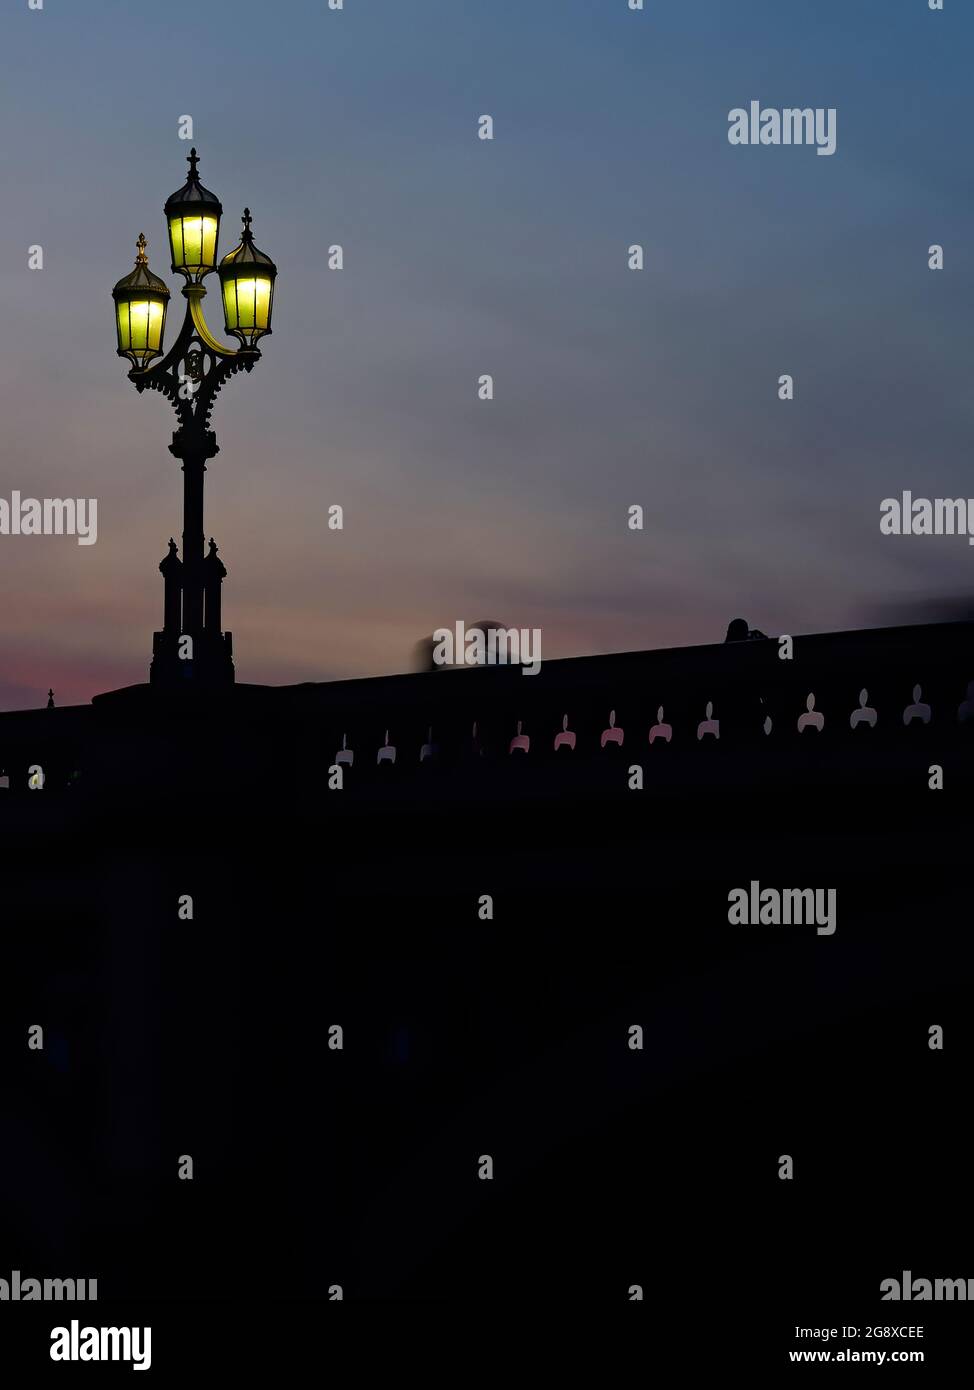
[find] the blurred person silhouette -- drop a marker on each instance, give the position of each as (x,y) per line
(738,631)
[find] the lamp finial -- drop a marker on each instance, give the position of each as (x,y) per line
(192,159)
(141,244)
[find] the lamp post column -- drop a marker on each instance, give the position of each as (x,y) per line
(193,470)
(193,452)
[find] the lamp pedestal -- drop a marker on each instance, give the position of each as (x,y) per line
(210,669)
(191,651)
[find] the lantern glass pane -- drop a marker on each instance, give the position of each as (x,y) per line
(262,308)
(157,317)
(193,241)
(122,324)
(210,227)
(253,303)
(230,304)
(176,240)
(140,324)
(246,304)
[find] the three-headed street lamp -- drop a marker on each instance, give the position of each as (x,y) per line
(191,647)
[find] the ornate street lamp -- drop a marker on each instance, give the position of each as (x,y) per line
(140,311)
(247,277)
(193,213)
(191,648)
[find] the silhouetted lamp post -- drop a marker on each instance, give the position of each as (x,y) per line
(191,647)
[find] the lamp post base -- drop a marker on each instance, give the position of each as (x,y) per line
(192,661)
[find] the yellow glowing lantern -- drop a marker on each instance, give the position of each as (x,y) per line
(193,214)
(247,278)
(140,311)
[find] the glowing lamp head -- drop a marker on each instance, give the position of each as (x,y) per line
(247,278)
(193,214)
(140,312)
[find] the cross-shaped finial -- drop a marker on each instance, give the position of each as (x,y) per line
(192,160)
(246,219)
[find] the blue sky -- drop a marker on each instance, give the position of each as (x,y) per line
(509,257)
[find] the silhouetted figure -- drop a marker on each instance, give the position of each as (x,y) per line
(50,699)
(423,651)
(738,631)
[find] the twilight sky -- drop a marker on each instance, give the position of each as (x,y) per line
(465,257)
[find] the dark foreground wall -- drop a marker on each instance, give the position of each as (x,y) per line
(510,1036)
